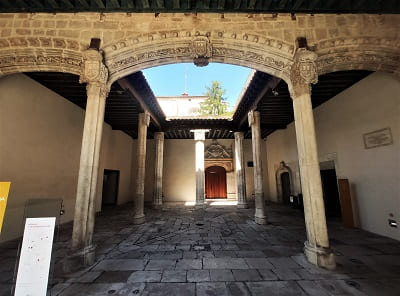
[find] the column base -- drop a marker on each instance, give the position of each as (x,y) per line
(79,259)
(322,257)
(260,220)
(200,205)
(242,205)
(139,219)
(157,206)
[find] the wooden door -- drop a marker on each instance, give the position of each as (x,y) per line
(215,182)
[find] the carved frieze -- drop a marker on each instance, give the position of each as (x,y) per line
(216,150)
(218,155)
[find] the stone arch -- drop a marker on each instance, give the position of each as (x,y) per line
(283,168)
(34,54)
(265,54)
(365,53)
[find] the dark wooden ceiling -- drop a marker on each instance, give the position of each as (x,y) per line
(265,93)
(241,6)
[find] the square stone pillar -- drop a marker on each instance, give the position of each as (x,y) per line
(304,72)
(199,137)
(82,248)
(158,170)
(240,171)
(254,123)
(138,204)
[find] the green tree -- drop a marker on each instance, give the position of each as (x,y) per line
(216,104)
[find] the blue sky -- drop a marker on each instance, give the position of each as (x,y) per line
(169,80)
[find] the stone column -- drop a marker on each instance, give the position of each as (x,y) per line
(158,173)
(240,171)
(254,123)
(95,75)
(199,137)
(138,211)
(303,73)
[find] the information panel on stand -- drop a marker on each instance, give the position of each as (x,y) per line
(34,262)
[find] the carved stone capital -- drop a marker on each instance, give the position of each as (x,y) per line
(254,117)
(303,72)
(199,134)
(144,119)
(159,136)
(239,135)
(93,69)
(96,88)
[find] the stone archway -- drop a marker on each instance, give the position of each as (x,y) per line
(34,54)
(269,55)
(283,168)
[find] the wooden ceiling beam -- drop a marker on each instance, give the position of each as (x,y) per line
(112,4)
(53,3)
(127,4)
(97,4)
(84,3)
(272,83)
(125,84)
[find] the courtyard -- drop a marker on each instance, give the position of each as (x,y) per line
(217,250)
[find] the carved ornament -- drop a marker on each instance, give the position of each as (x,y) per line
(93,69)
(217,151)
(253,117)
(303,72)
(201,50)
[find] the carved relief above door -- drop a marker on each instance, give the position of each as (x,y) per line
(216,154)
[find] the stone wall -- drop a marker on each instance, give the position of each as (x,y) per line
(132,42)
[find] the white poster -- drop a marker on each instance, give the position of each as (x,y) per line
(34,262)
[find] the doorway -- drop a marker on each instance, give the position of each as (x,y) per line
(285,183)
(215,182)
(110,187)
(331,193)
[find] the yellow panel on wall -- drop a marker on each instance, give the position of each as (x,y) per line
(4,189)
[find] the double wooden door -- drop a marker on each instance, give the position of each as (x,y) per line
(215,182)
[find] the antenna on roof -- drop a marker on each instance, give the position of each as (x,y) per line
(185,91)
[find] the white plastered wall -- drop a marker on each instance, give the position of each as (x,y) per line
(374,174)
(40,144)
(179,179)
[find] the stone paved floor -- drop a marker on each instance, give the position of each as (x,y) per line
(218,251)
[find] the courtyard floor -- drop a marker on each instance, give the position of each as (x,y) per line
(218,251)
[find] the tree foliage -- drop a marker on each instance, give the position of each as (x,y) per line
(215,104)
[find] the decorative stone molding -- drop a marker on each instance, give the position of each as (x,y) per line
(137,53)
(30,59)
(283,168)
(226,163)
(303,72)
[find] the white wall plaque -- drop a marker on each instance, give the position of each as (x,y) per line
(34,262)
